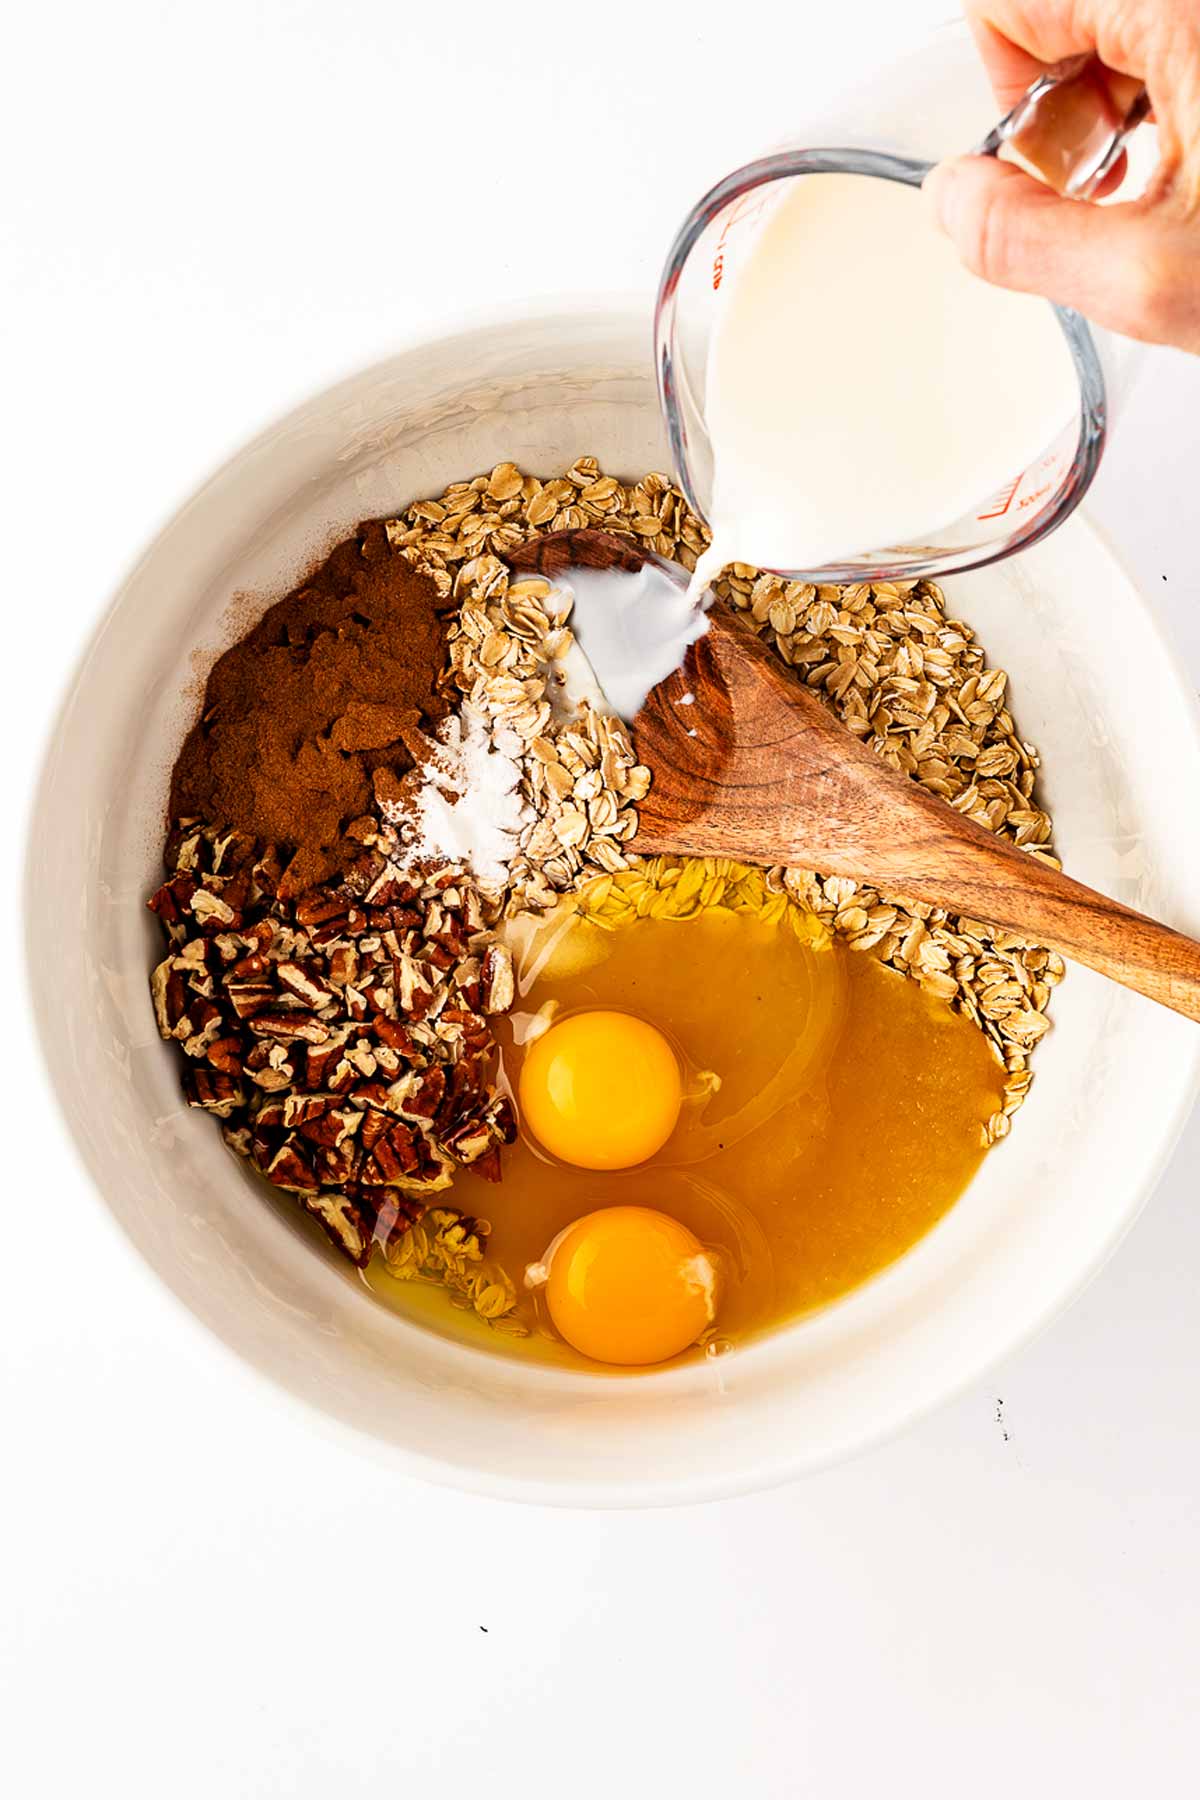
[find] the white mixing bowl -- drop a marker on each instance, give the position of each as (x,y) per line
(1092,683)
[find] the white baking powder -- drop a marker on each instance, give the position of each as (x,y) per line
(467,810)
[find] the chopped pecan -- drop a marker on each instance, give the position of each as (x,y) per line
(334,1129)
(459,1015)
(343,1076)
(250,996)
(395,1212)
(238,1139)
(266,1134)
(467,972)
(373,1093)
(347,924)
(300,1109)
(344,1221)
(226,1054)
(363,871)
(323,1058)
(318,908)
(381,999)
(233,854)
(211,911)
(271,1081)
(395,1036)
(267,873)
(341,1035)
(185,847)
(258,939)
(288,1168)
(343,966)
(195,958)
(398,922)
(423,1094)
(487,1166)
(388,889)
(303,980)
(394,1155)
(334,1164)
(423,1004)
(496,979)
(213,1091)
(204,1017)
(502,1118)
(413,982)
(289,1025)
(169,992)
(374,1125)
(468,1141)
(464,1084)
(172,899)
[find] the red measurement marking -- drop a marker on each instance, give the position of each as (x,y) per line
(1005,499)
(745,208)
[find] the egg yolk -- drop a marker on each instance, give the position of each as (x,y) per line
(630,1285)
(601,1090)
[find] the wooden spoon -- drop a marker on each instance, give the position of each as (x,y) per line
(748,763)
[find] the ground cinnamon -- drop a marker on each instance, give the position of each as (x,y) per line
(305,719)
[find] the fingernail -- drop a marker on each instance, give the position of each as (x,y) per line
(937,187)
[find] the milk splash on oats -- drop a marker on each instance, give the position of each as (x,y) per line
(631,630)
(863,389)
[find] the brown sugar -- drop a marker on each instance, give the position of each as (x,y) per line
(308,717)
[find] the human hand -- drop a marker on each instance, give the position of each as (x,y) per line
(1134,265)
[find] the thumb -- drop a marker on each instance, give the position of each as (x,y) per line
(1015,232)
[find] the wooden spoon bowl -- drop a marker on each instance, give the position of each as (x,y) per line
(748,763)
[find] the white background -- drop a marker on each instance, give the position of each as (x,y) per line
(208,211)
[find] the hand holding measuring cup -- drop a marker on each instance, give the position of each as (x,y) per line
(1133,266)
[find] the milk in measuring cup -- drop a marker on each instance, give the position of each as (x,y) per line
(863,389)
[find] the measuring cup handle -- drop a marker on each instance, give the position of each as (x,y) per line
(1068,129)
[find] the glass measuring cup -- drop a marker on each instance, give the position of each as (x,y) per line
(719,230)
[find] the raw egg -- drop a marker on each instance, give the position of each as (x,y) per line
(630,1285)
(813,1114)
(601,1090)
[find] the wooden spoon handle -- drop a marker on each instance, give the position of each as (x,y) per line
(985,877)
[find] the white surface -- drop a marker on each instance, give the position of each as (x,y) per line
(201,1596)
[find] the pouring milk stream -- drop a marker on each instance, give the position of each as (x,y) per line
(862,388)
